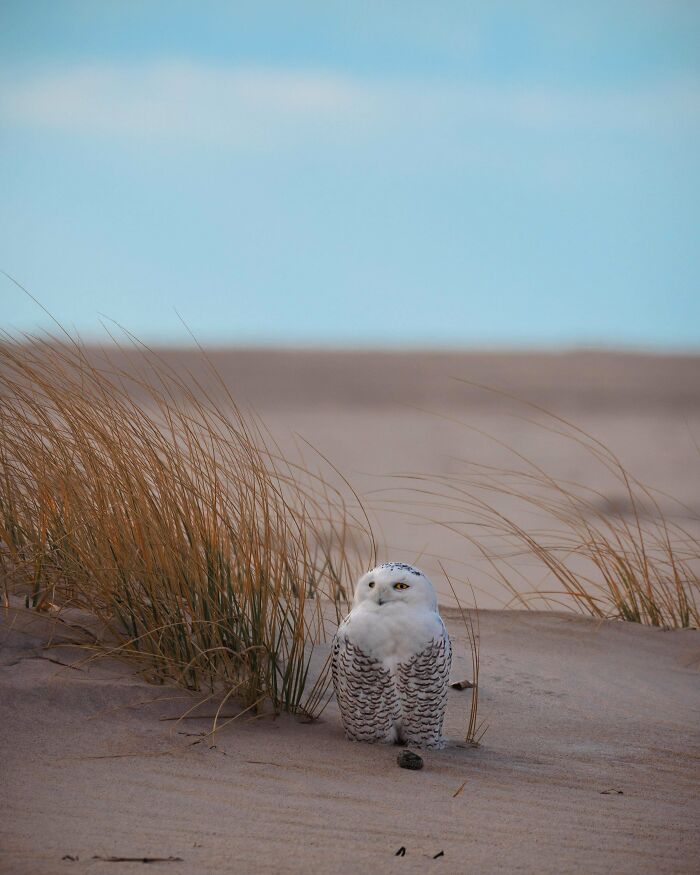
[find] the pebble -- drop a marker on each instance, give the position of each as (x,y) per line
(409,760)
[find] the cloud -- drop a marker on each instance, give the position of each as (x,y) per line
(238,106)
(177,100)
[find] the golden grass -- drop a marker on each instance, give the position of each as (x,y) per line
(475,729)
(623,559)
(173,519)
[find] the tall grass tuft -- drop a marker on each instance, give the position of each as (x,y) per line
(623,559)
(172,518)
(475,729)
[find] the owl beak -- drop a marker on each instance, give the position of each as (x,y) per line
(380,602)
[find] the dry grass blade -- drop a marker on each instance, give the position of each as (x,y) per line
(475,729)
(625,559)
(155,504)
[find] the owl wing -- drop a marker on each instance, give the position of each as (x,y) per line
(422,684)
(365,692)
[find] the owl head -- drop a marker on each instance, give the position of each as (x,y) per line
(396,583)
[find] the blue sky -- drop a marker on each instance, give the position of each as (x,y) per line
(434,174)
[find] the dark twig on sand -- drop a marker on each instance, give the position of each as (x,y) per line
(139,859)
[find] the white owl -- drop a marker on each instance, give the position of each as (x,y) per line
(391,660)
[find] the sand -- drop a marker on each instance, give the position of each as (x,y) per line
(589,764)
(378,414)
(577,710)
(375,414)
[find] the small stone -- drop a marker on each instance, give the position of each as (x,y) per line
(462,685)
(409,760)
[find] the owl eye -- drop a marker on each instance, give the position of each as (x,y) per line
(400,586)
(371,584)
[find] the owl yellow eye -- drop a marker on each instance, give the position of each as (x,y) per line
(400,586)
(371,584)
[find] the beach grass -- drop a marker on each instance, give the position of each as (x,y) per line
(155,504)
(476,729)
(625,558)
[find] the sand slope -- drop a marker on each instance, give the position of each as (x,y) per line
(375,414)
(380,413)
(575,708)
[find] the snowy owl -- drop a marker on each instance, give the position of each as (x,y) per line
(391,660)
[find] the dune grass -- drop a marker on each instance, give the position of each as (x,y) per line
(172,519)
(624,559)
(475,729)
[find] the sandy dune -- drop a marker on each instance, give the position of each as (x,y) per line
(375,414)
(270,378)
(93,765)
(92,769)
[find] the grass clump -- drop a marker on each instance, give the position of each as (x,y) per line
(171,518)
(475,729)
(624,559)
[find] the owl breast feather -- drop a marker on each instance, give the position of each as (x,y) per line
(391,634)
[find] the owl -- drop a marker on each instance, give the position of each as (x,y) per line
(391,660)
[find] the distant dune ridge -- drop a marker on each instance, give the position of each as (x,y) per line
(376,413)
(301,378)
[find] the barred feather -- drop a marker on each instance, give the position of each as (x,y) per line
(409,705)
(422,685)
(369,705)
